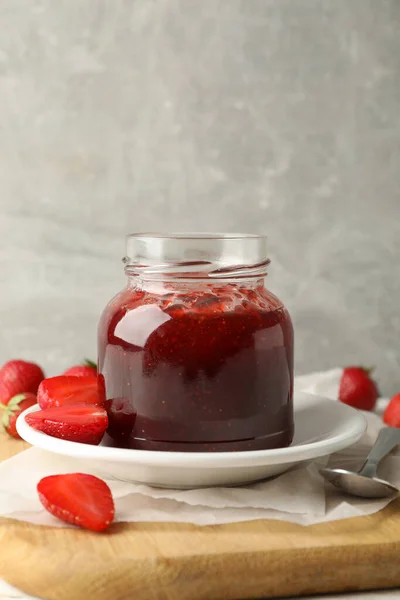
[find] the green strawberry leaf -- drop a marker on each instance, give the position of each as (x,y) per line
(14,403)
(90,363)
(6,419)
(11,408)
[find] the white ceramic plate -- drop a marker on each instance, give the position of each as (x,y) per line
(321,427)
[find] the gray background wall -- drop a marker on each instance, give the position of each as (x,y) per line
(278,116)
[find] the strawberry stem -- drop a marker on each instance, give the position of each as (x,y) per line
(3,406)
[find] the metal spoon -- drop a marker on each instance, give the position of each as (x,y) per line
(365,483)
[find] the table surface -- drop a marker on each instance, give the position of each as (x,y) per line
(7,592)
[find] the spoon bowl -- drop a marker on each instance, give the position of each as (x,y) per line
(365,483)
(359,485)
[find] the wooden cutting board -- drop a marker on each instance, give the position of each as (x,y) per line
(170,561)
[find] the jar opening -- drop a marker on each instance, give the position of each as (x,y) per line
(196,255)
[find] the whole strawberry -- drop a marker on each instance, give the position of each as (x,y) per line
(17,377)
(13,409)
(357,389)
(391,416)
(87,369)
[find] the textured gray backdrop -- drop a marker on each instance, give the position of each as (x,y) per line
(275,116)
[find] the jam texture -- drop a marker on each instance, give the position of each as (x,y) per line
(205,368)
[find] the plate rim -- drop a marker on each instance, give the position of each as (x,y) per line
(149,458)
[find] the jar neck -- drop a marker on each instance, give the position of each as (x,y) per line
(159,286)
(196,256)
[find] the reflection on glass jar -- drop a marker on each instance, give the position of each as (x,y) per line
(196,354)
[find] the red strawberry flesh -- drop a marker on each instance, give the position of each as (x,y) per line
(64,389)
(84,423)
(78,498)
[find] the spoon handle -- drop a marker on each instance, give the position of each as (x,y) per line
(387,439)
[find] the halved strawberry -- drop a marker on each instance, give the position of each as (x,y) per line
(84,423)
(78,498)
(65,389)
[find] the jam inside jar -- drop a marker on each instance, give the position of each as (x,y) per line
(195,353)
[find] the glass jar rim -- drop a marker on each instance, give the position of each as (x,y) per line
(189,235)
(196,255)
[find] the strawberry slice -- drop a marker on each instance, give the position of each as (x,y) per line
(84,423)
(78,498)
(65,389)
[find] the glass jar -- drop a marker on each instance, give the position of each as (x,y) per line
(195,353)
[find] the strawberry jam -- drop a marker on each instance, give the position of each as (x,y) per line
(197,366)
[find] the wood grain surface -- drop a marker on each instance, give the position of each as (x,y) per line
(171,561)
